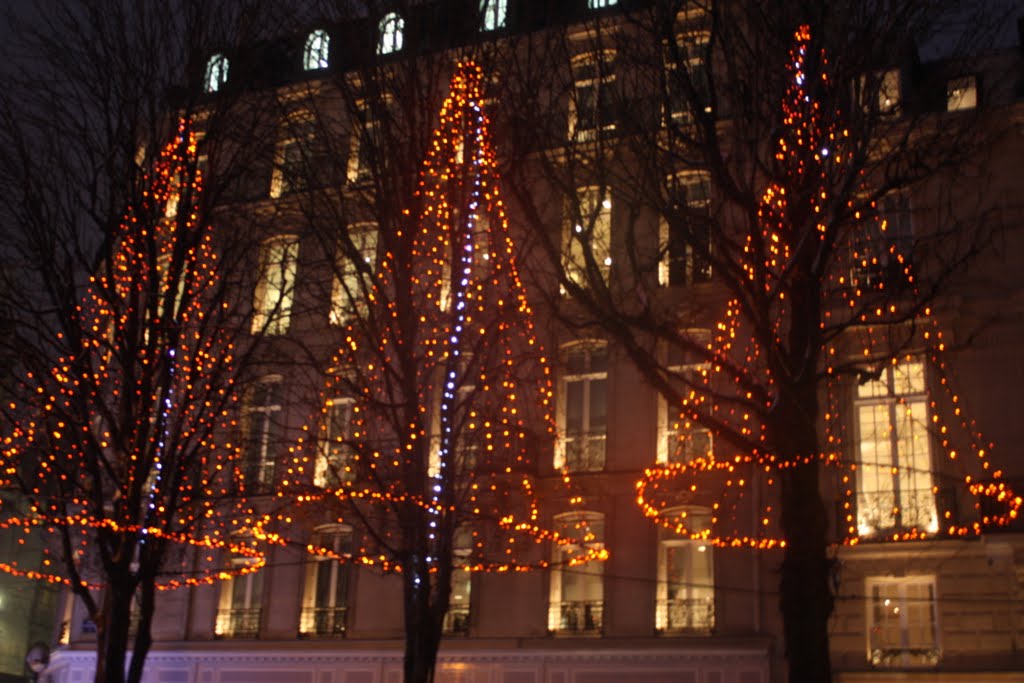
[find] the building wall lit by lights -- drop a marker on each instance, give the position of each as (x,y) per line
(664,606)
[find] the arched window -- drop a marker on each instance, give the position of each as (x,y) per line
(314,55)
(216,73)
(391,27)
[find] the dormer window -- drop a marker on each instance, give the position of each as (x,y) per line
(314,55)
(391,28)
(216,73)
(962,93)
(493,13)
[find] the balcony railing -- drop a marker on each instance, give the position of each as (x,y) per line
(688,614)
(585,452)
(239,623)
(580,617)
(324,621)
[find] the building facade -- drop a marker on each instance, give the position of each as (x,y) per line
(665,606)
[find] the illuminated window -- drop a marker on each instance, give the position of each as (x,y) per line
(391,28)
(315,52)
(883,245)
(240,606)
(577,591)
(582,408)
(894,478)
(334,463)
(494,13)
(881,92)
(598,4)
(456,621)
(216,73)
(261,414)
(962,93)
(592,107)
(685,231)
(685,62)
(353,276)
(679,439)
(275,286)
(303,161)
(686,576)
(366,131)
(902,620)
(587,244)
(325,598)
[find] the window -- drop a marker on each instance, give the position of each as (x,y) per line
(592,108)
(686,576)
(883,247)
(582,408)
(679,439)
(685,61)
(598,4)
(275,286)
(685,230)
(494,14)
(241,598)
(366,132)
(902,618)
(315,52)
(352,281)
(577,591)
(962,93)
(456,621)
(881,92)
(391,28)
(261,413)
(216,73)
(303,161)
(325,598)
(894,480)
(587,243)
(334,463)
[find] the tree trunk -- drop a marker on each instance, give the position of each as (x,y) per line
(422,631)
(112,626)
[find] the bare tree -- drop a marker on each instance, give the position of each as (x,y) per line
(438,401)
(128,350)
(732,176)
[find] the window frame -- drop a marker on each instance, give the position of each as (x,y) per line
(884,243)
(241,622)
(590,438)
(215,75)
(697,594)
(589,229)
(270,409)
(962,93)
(603,84)
(276,277)
(320,621)
(873,520)
(350,284)
(691,48)
(493,15)
(390,30)
(577,617)
(316,50)
(902,656)
(691,268)
(667,431)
